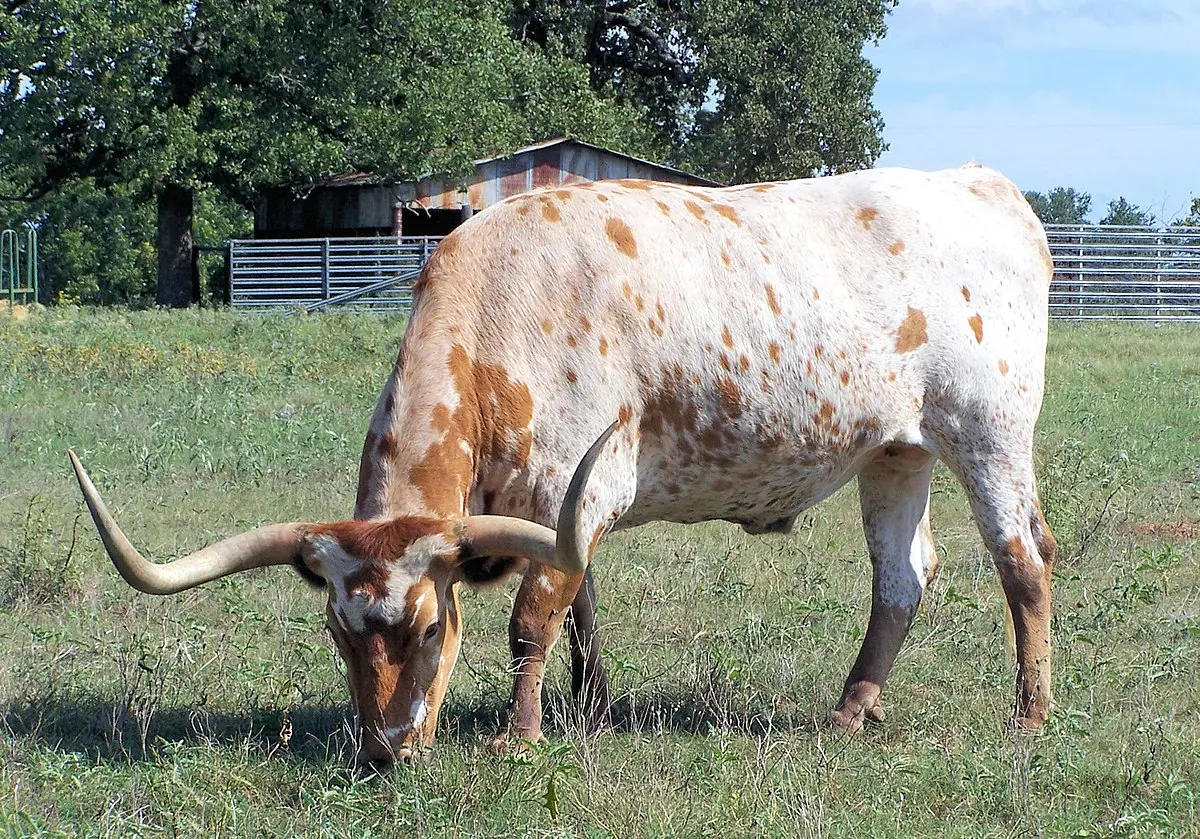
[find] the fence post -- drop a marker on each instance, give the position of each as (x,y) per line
(1158,259)
(325,268)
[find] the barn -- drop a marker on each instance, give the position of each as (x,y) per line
(361,238)
(363,204)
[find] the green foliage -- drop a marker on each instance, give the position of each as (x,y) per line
(1192,219)
(738,92)
(1122,211)
(131,98)
(1061,205)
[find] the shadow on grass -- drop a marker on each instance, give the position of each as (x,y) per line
(102,730)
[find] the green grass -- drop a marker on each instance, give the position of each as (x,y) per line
(222,711)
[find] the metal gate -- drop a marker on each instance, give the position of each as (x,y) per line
(311,274)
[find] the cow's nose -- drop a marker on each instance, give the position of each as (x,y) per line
(380,761)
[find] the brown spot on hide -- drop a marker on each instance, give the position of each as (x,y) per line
(643,185)
(441,417)
(731,396)
(866,215)
(639,302)
(619,232)
(773,349)
(725,365)
(896,248)
(1003,367)
(816,294)
(694,208)
(743,363)
(562,194)
(892,376)
(818,351)
(725,257)
(603,345)
(572,341)
(845,377)
(624,414)
(824,415)
(966,293)
(728,212)
(387,446)
(658,308)
(977,327)
(601,196)
(911,333)
(666,211)
(654,327)
(727,337)
(490,423)
(547,327)
(550,210)
(585,324)
(571,377)
(772,300)
(626,290)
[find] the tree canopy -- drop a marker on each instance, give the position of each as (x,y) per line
(1061,205)
(735,91)
(1122,211)
(182,109)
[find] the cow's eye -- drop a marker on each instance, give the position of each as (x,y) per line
(431,631)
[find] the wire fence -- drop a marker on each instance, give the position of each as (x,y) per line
(1101,272)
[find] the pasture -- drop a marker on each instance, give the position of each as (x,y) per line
(222,711)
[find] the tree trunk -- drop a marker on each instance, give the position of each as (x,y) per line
(175,282)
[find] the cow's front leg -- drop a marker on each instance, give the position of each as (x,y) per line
(894,493)
(537,621)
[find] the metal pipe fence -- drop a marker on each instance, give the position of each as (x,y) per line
(1101,272)
(375,273)
(1112,272)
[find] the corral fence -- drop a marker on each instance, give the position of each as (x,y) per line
(1100,272)
(1110,272)
(311,274)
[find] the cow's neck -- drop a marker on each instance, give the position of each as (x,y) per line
(443,420)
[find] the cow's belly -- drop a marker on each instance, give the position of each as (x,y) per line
(759,484)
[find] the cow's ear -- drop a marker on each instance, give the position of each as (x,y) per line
(484,571)
(308,568)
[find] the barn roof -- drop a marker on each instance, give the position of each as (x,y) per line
(545,144)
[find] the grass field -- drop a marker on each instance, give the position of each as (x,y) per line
(222,711)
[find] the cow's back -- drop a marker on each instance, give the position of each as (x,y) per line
(763,339)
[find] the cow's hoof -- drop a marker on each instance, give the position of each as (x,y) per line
(850,716)
(1026,725)
(511,743)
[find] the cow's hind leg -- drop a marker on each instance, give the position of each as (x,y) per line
(1005,503)
(589,684)
(894,493)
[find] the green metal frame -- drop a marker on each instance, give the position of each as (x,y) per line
(12,279)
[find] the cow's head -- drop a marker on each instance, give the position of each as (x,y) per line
(391,584)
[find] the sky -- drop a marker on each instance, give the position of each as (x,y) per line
(1099,95)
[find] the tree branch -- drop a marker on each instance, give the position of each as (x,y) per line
(662,49)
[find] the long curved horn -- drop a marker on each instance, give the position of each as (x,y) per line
(274,544)
(566,549)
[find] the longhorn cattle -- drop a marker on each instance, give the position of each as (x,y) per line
(758,346)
